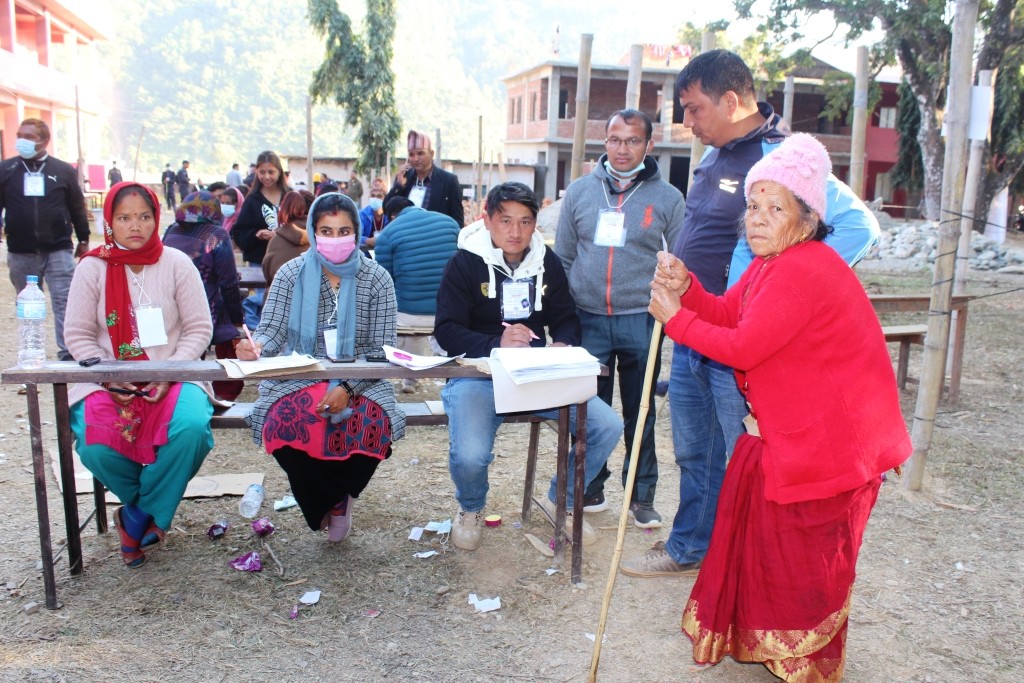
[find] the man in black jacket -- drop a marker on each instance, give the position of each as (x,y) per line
(43,202)
(504,288)
(426,185)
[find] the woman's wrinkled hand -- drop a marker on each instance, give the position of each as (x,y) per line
(664,303)
(333,402)
(671,274)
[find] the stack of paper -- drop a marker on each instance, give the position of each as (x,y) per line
(270,366)
(547,363)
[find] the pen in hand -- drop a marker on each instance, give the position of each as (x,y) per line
(128,392)
(532,335)
(248,335)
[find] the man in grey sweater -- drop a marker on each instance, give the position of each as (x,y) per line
(612,224)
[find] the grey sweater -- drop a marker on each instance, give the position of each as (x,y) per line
(616,280)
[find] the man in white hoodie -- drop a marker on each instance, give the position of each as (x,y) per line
(505,288)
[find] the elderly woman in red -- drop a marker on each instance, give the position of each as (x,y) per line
(810,357)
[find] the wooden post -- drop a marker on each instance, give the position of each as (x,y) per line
(138,146)
(636,66)
(858,138)
(309,144)
(933,372)
(707,43)
(437,147)
(81,158)
(579,131)
(787,99)
(970,196)
(480,161)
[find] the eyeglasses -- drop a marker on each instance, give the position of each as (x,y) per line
(615,143)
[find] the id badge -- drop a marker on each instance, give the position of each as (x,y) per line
(150,320)
(417,194)
(611,229)
(515,300)
(34,185)
(330,339)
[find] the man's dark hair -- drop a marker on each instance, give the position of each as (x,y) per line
(631,116)
(184,162)
(235,166)
(218,185)
(511,192)
(717,72)
(324,188)
(41,127)
(395,206)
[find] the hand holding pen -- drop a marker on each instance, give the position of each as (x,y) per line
(516,335)
(248,349)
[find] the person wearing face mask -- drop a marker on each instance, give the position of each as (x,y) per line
(328,437)
(230,203)
(43,204)
(612,224)
(372,218)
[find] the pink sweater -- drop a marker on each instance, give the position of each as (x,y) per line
(172,283)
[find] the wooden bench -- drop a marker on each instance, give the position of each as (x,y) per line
(905,335)
(421,414)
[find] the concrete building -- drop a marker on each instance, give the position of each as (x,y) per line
(541,117)
(46,50)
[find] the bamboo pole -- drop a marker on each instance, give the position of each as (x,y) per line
(138,147)
(933,373)
(636,67)
(579,131)
(638,434)
(309,144)
(858,139)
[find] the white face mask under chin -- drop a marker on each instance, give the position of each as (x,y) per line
(622,175)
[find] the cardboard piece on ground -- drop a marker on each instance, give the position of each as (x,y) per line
(510,397)
(201,486)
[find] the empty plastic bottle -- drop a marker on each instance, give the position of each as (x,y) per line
(251,501)
(31,325)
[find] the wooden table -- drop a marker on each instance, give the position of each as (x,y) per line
(60,374)
(917,303)
(251,277)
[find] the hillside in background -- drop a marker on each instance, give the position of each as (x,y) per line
(217,81)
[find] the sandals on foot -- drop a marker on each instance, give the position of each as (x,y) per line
(131,554)
(154,536)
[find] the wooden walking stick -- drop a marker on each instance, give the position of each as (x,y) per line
(645,397)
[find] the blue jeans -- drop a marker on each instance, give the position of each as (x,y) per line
(707,418)
(252,306)
(623,342)
(472,424)
(55,271)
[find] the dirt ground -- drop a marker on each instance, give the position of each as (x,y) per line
(938,597)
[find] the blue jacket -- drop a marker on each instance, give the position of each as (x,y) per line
(708,243)
(414,249)
(366,223)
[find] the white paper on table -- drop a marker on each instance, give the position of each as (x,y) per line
(414,362)
(547,363)
(486,605)
(510,397)
(270,365)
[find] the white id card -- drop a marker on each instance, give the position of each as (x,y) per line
(417,194)
(34,185)
(150,320)
(515,300)
(611,229)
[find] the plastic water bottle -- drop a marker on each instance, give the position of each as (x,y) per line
(251,501)
(31,325)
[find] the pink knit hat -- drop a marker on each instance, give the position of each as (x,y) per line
(419,141)
(801,165)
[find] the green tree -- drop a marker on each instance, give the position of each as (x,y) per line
(356,74)
(907,173)
(918,36)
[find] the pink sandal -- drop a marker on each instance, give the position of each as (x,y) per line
(339,521)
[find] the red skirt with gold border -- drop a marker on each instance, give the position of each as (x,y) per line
(775,584)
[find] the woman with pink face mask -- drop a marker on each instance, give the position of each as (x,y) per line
(331,302)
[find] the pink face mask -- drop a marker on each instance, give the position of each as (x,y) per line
(336,249)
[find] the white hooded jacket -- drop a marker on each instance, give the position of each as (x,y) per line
(476,239)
